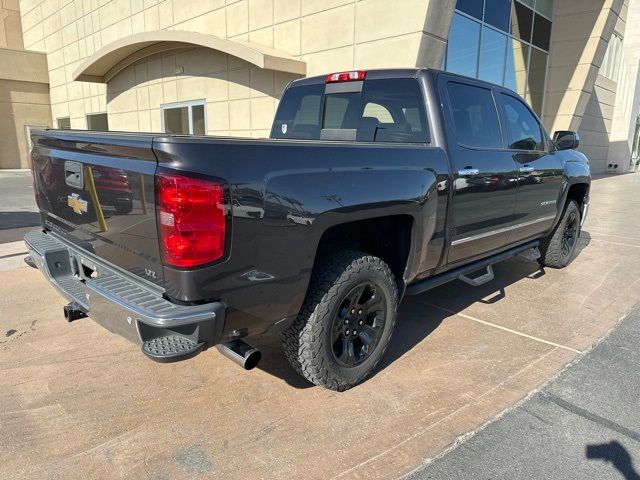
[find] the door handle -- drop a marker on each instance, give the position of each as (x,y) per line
(526,169)
(468,172)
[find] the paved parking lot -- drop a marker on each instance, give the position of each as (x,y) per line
(79,402)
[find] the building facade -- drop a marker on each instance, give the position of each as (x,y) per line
(24,89)
(218,67)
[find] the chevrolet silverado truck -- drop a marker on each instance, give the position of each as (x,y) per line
(373,185)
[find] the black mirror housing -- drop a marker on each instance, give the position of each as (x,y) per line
(566,140)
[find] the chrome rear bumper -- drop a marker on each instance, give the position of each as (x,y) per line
(117,301)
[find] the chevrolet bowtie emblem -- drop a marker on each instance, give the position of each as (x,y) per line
(77,204)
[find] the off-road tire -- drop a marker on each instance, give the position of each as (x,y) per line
(551,250)
(307,342)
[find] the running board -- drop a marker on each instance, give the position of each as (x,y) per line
(446,277)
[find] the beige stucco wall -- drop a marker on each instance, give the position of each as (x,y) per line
(24,90)
(627,105)
(10,28)
(328,35)
(581,32)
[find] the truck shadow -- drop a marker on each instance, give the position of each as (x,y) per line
(417,318)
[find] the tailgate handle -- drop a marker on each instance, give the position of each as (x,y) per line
(73,174)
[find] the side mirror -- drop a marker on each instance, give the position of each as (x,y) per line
(566,140)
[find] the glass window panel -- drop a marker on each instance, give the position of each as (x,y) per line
(537,77)
(498,13)
(521,21)
(197,117)
(64,123)
(471,7)
(393,112)
(176,120)
(335,109)
(545,7)
(464,43)
(515,77)
(530,3)
(98,122)
(492,56)
(380,113)
(541,32)
(523,130)
(475,116)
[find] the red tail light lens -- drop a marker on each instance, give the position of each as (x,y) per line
(346,76)
(191,217)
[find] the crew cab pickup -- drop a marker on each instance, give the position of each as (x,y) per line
(372,185)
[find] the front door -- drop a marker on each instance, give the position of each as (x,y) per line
(540,169)
(484,173)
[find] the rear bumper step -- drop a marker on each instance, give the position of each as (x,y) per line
(123,304)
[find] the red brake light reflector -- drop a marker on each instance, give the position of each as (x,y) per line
(191,220)
(346,76)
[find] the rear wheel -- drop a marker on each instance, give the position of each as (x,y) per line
(558,249)
(346,322)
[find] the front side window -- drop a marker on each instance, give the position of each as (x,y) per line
(184,118)
(522,128)
(475,116)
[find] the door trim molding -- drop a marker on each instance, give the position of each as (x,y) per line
(502,230)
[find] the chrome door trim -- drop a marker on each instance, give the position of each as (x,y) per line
(502,230)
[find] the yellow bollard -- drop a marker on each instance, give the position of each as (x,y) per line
(91,184)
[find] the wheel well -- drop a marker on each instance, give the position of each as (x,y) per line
(578,192)
(388,238)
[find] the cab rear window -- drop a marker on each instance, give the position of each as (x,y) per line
(384,111)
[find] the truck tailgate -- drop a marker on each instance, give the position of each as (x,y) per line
(96,190)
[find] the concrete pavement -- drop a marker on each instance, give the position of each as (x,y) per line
(78,402)
(18,210)
(583,424)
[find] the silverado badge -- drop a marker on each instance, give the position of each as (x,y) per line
(77,204)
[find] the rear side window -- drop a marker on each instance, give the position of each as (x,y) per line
(475,116)
(384,111)
(523,130)
(299,113)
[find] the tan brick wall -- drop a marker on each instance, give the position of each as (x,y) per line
(328,35)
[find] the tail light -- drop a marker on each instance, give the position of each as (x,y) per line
(346,76)
(191,217)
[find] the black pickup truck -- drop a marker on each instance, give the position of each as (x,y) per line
(373,185)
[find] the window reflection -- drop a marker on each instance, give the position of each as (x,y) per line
(537,77)
(545,7)
(516,67)
(464,44)
(506,45)
(497,13)
(492,56)
(541,32)
(521,21)
(471,7)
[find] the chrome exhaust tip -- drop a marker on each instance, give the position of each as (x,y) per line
(241,353)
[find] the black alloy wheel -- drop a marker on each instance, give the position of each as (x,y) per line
(358,325)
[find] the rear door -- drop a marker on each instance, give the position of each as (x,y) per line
(540,169)
(97,191)
(484,173)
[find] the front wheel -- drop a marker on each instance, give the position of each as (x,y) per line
(346,322)
(557,250)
